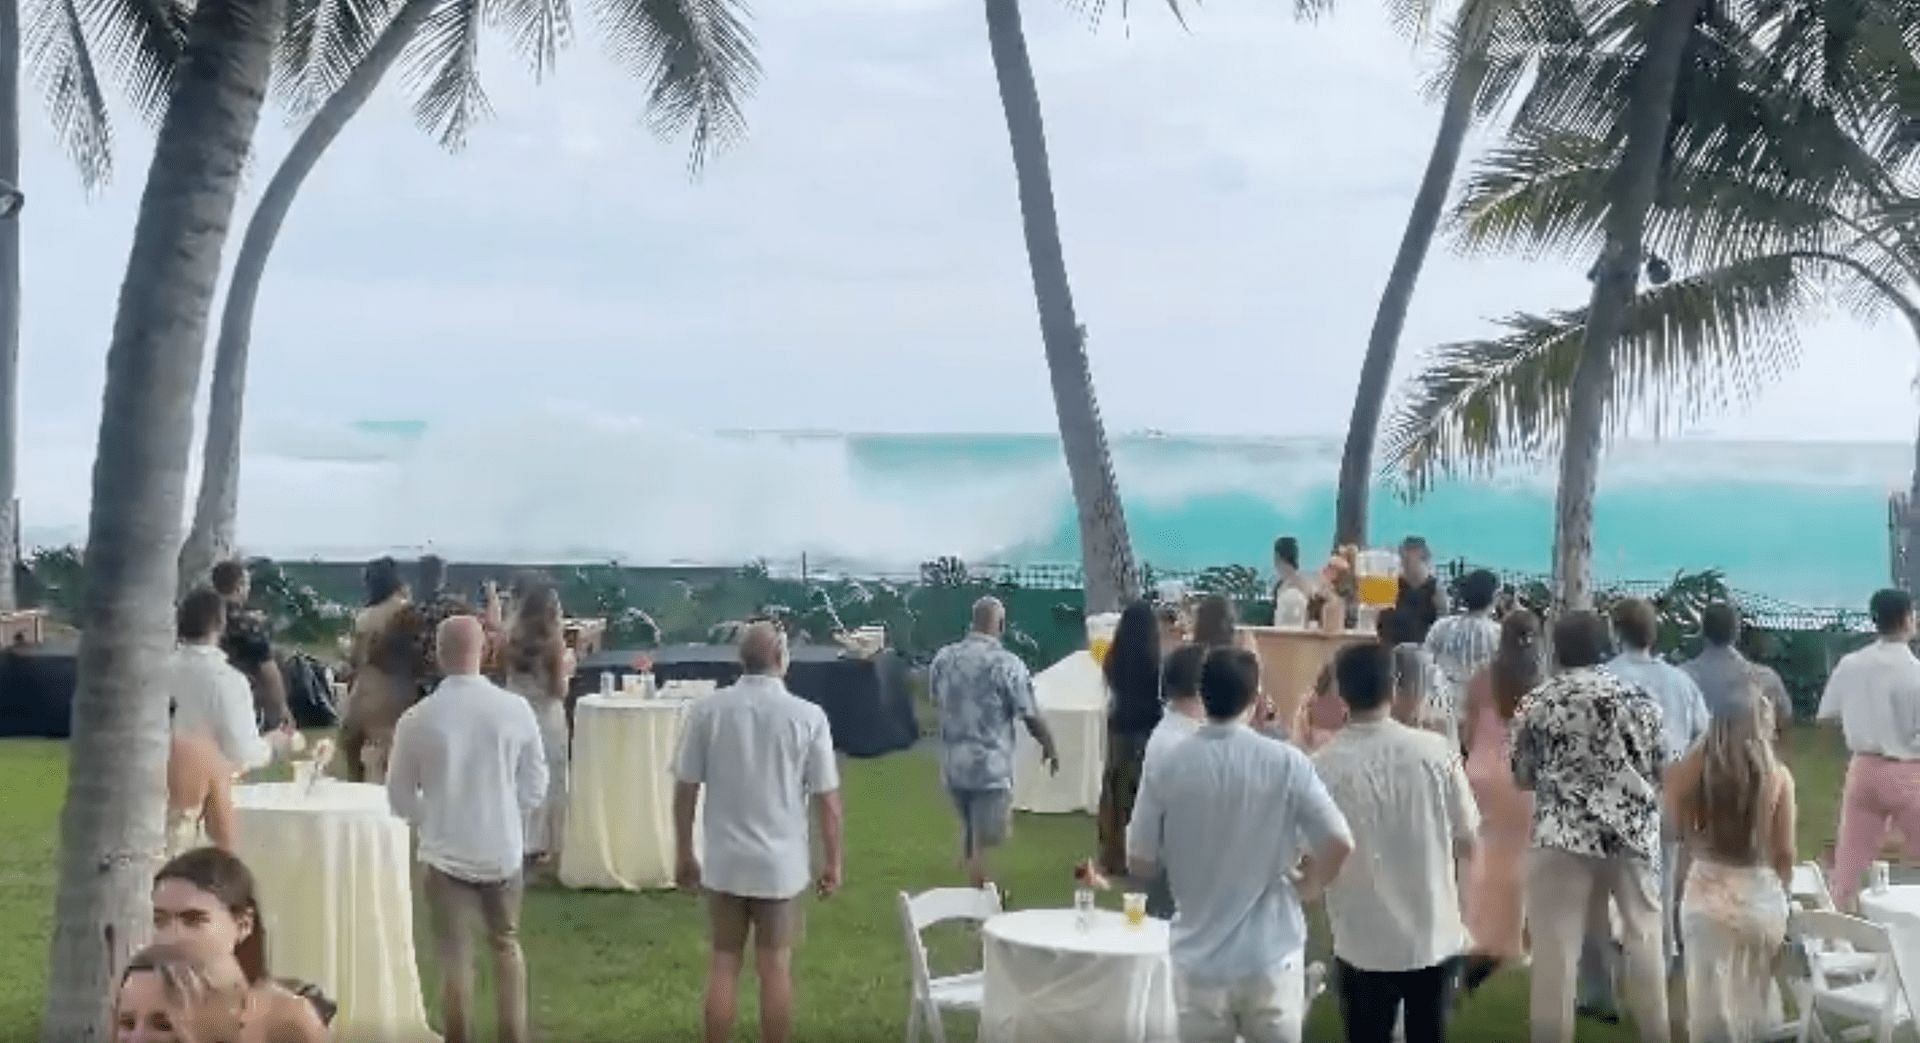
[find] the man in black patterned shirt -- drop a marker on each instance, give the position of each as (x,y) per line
(1590,747)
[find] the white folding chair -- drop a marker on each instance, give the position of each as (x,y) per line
(931,995)
(1808,890)
(1875,1003)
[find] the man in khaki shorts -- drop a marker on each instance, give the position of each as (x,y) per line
(761,755)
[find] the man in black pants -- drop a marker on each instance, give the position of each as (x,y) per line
(1395,910)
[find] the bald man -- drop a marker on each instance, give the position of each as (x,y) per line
(981,689)
(761,755)
(467,767)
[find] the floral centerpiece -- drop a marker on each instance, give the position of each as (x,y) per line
(642,666)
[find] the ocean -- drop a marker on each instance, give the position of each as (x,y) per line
(1802,522)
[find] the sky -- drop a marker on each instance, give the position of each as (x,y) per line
(1230,197)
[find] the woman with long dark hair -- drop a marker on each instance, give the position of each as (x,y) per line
(1496,881)
(536,668)
(1215,623)
(205,905)
(1133,683)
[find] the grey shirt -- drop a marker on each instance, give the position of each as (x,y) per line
(981,691)
(1723,674)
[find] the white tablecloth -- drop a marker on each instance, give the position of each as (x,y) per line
(620,819)
(335,876)
(1898,907)
(1049,982)
(1073,700)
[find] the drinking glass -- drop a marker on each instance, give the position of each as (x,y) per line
(1134,905)
(606,682)
(1880,877)
(1083,908)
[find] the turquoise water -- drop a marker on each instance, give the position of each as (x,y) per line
(1804,523)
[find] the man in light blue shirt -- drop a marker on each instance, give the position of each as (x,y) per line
(1230,815)
(1683,720)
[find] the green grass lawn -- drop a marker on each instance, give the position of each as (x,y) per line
(619,968)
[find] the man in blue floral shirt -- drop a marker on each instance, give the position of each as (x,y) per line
(1591,748)
(981,689)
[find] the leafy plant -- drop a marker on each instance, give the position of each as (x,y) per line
(1238,582)
(945,572)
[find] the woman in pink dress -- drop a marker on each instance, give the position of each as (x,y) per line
(1496,882)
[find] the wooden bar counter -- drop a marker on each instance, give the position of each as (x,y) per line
(1290,659)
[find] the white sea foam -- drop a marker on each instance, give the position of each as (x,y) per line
(556,483)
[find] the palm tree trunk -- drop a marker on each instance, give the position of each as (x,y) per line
(1356,462)
(1106,554)
(110,828)
(1616,276)
(211,537)
(9,305)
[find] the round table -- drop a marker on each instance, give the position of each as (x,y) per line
(1898,908)
(1047,981)
(620,816)
(335,880)
(1072,698)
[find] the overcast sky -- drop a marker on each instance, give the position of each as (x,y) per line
(1230,198)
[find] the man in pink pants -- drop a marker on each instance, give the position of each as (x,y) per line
(1875,694)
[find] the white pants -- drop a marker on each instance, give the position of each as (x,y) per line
(1267,1008)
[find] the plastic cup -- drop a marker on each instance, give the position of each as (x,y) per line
(1134,905)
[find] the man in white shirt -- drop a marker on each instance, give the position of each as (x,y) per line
(467,767)
(1229,813)
(1180,680)
(1395,909)
(761,755)
(210,698)
(1875,694)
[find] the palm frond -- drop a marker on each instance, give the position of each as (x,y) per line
(1689,349)
(321,44)
(54,46)
(539,29)
(698,60)
(137,44)
(442,72)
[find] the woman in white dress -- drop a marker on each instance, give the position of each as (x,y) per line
(1734,803)
(537,669)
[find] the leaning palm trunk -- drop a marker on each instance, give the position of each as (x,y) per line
(1356,461)
(213,519)
(116,788)
(1105,552)
(1615,279)
(9,303)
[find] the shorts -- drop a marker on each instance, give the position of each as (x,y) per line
(774,922)
(985,815)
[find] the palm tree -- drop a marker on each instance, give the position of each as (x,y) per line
(696,56)
(110,829)
(1773,224)
(1489,48)
(1106,552)
(144,40)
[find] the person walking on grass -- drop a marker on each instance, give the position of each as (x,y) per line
(1229,813)
(1186,713)
(980,690)
(210,698)
(1395,910)
(759,756)
(1589,746)
(1875,695)
(1726,677)
(467,767)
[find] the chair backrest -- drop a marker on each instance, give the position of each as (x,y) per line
(1808,888)
(1815,927)
(941,905)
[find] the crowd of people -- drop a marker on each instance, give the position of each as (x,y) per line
(1461,797)
(1468,789)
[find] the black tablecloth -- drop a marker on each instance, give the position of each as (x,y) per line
(36,691)
(866,700)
